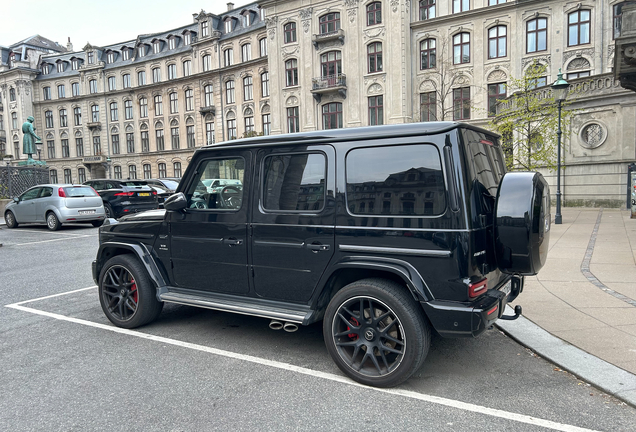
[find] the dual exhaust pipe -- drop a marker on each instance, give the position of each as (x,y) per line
(287,326)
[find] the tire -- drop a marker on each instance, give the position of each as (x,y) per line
(52,222)
(9,218)
(97,223)
(109,211)
(399,327)
(126,294)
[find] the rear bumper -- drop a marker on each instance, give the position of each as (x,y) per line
(454,319)
(72,215)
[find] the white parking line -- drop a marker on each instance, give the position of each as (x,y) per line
(47,231)
(52,240)
(521,418)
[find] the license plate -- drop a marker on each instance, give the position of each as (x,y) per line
(143,194)
(507,288)
(86,212)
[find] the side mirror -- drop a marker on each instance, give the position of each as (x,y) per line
(175,202)
(16,199)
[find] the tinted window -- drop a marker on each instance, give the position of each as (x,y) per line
(170,184)
(395,180)
(294,182)
(30,194)
(46,192)
(202,197)
(487,164)
(79,191)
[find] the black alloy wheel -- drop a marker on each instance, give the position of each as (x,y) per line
(109,211)
(376,333)
(126,293)
(9,218)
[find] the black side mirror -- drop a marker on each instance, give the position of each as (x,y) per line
(175,202)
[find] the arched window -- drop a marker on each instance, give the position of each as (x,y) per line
(48,119)
(374,13)
(128,109)
(132,172)
(289,32)
(329,23)
(162,170)
(291,72)
(331,66)
(12,94)
(94,113)
(428,54)
(332,116)
(63,118)
(461,48)
(374,57)
(207,63)
(497,41)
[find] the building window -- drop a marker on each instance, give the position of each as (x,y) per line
(128,109)
(94,113)
(461,5)
(187,68)
(267,124)
(147,171)
(231,129)
(461,103)
(143,107)
(209,133)
(79,147)
(289,32)
(249,121)
(292,120)
(174,138)
(374,13)
(579,28)
(574,75)
(497,42)
(48,119)
(189,100)
(618,17)
(262,43)
(461,48)
(125,53)
(14,120)
(77,115)
(126,80)
(156,74)
(46,92)
(187,38)
(110,57)
(60,67)
(16,147)
(329,23)
(132,172)
(229,92)
(158,105)
(130,142)
(50,147)
(228,57)
(177,169)
(117,172)
(495,2)
(75,64)
(496,93)
(68,178)
(428,106)
(61,91)
(145,142)
(265,84)
(75,89)
(92,85)
(12,93)
(376,111)
(190,139)
(46,69)
(428,56)
(374,56)
(114,115)
(162,170)
(427,9)
(537,35)
(248,93)
(331,66)
(91,57)
(156,47)
(63,118)
(114,139)
(247,19)
(205,29)
(209,95)
(174,103)
(65,150)
(228,25)
(207,63)
(246,52)
(172,43)
(53,176)
(332,116)
(111,83)
(291,72)
(141,78)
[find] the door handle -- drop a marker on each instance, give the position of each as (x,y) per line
(232,241)
(317,247)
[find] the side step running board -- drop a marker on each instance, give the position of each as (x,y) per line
(240,307)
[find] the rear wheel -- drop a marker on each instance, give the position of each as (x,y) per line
(9,218)
(109,211)
(52,222)
(97,223)
(376,333)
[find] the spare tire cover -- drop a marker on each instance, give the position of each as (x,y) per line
(522,223)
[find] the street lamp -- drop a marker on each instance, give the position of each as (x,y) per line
(560,91)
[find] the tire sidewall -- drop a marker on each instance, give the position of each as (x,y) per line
(9,216)
(56,225)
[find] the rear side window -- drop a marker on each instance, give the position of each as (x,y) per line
(294,182)
(486,159)
(79,191)
(395,181)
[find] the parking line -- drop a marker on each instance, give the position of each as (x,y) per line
(521,418)
(52,240)
(52,295)
(19,230)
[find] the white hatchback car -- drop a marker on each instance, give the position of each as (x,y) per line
(55,204)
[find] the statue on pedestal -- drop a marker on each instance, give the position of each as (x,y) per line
(28,142)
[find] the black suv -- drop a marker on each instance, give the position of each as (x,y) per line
(122,197)
(384,233)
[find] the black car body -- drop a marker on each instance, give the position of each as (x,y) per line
(122,197)
(384,233)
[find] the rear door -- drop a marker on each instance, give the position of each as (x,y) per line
(293,220)
(45,199)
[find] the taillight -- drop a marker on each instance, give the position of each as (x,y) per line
(154,192)
(61,193)
(124,194)
(94,190)
(478,288)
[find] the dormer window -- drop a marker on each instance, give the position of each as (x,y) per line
(187,38)
(125,53)
(60,67)
(141,50)
(91,57)
(246,19)
(172,43)
(75,64)
(262,11)
(111,57)
(228,25)
(45,69)
(205,29)
(156,47)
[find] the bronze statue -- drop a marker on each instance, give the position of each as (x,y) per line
(28,141)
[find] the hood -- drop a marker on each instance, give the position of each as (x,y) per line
(157,214)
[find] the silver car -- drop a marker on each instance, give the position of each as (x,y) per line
(55,204)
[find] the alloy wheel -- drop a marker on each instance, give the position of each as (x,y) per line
(119,293)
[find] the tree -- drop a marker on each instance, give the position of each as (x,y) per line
(528,122)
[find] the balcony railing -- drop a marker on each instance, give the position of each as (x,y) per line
(329,82)
(208,110)
(317,39)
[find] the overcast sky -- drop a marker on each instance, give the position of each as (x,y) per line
(100,22)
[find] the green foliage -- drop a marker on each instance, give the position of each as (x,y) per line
(251,134)
(528,122)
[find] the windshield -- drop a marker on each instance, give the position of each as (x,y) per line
(170,184)
(134,183)
(79,191)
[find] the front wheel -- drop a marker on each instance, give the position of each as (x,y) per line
(9,218)
(376,333)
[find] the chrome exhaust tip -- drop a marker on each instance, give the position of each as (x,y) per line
(275,325)
(290,327)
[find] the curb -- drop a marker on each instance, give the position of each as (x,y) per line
(603,375)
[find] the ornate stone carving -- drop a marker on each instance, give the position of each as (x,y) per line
(544,60)
(271,22)
(351,3)
(374,33)
(568,55)
(352,14)
(579,63)
(288,52)
(394,5)
(305,16)
(497,75)
(374,89)
(291,101)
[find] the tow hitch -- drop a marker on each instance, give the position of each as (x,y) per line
(513,317)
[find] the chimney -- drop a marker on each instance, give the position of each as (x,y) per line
(230,6)
(69,45)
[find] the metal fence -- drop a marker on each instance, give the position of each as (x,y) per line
(15,180)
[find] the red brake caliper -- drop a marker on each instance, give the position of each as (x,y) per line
(133,289)
(355,322)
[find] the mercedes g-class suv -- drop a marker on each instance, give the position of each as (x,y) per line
(384,233)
